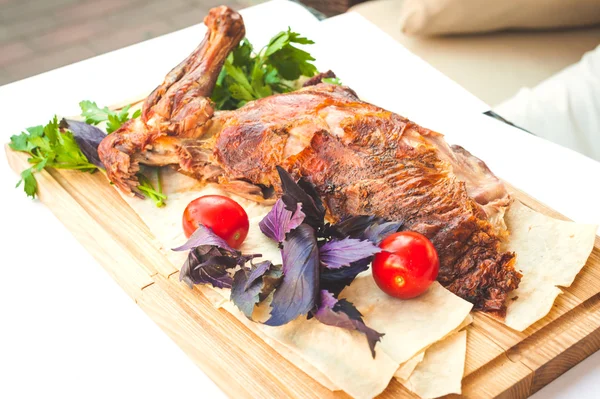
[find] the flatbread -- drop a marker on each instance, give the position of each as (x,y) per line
(442,369)
(407,368)
(430,316)
(550,253)
(338,358)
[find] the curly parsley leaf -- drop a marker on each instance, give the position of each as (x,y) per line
(95,115)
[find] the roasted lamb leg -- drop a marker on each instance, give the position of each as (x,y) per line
(361,158)
(179,107)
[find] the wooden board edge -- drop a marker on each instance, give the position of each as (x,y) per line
(564,343)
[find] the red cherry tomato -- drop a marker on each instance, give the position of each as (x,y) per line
(407,265)
(224,216)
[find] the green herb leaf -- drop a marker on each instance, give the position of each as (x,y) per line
(95,115)
(247,76)
(146,187)
(30,184)
(20,142)
(92,113)
(48,147)
(333,81)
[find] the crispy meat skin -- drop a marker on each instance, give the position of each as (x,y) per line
(361,158)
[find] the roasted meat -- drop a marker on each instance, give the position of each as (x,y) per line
(361,158)
(178,107)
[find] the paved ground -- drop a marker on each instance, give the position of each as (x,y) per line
(40,35)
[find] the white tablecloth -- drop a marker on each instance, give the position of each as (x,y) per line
(67,329)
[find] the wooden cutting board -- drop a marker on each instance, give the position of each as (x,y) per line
(501,363)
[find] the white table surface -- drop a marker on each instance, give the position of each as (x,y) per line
(68,330)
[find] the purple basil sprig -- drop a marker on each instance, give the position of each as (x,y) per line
(245,298)
(251,287)
(257,272)
(371,228)
(335,254)
(208,267)
(342,313)
(297,294)
(279,221)
(204,236)
(210,259)
(302,192)
(319,260)
(335,280)
(376,232)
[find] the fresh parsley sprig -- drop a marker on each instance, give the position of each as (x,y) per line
(48,147)
(95,115)
(247,76)
(56,147)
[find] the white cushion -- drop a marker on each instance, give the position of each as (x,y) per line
(564,108)
(435,17)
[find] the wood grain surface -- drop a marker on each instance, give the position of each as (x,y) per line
(501,363)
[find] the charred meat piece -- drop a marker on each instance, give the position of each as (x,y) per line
(361,158)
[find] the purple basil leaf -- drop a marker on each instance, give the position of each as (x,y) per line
(242,296)
(204,236)
(88,138)
(377,232)
(297,293)
(279,221)
(335,254)
(371,228)
(304,193)
(335,280)
(245,293)
(208,268)
(271,280)
(257,272)
(353,226)
(343,314)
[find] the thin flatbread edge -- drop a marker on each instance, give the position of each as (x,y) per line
(550,253)
(407,368)
(441,370)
